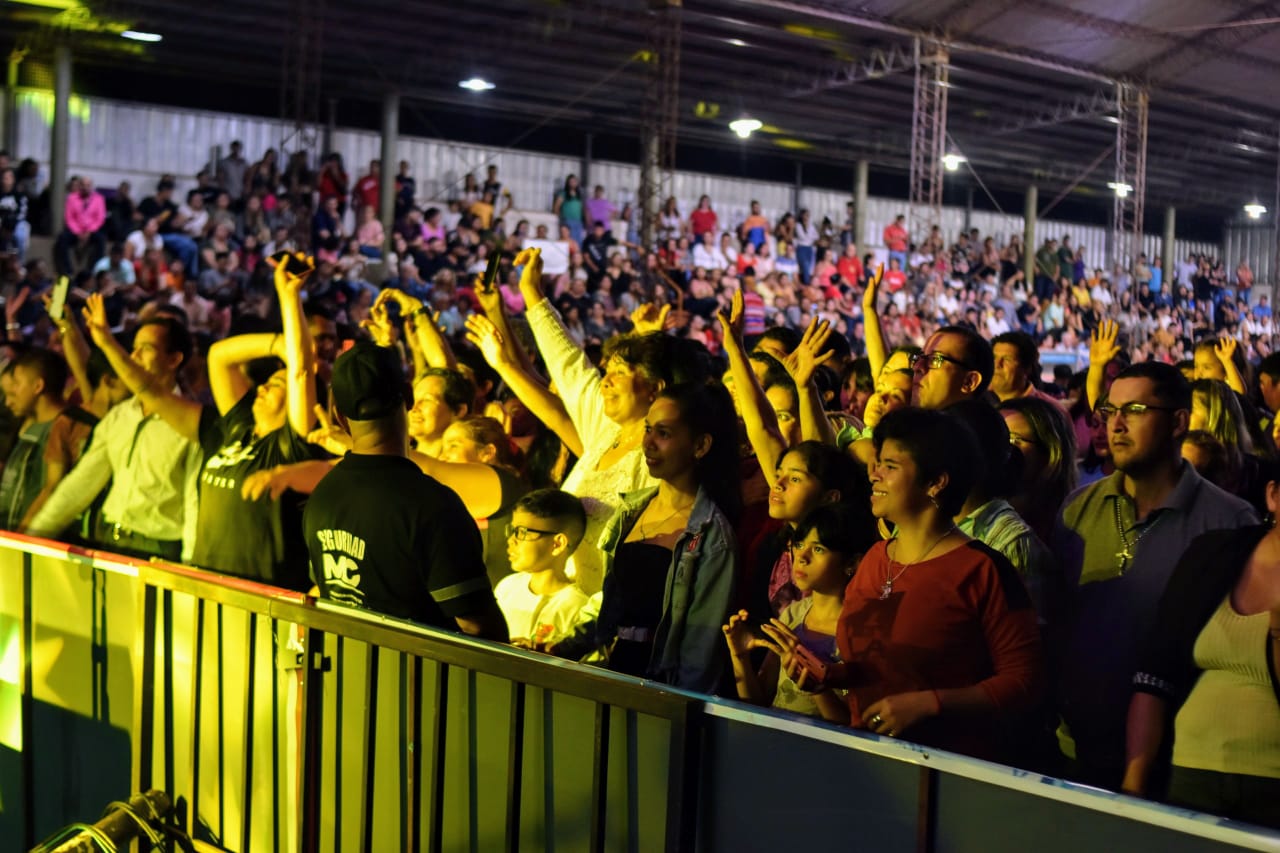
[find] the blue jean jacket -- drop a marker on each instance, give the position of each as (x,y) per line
(688,647)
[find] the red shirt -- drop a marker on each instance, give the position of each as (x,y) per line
(366,191)
(962,619)
(895,280)
(895,237)
(850,270)
(701,221)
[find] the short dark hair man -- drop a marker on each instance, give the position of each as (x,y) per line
(956,365)
(33,384)
(1118,541)
(381,533)
(1017,363)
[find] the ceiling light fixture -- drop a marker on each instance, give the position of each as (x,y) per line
(745,126)
(736,42)
(1255,209)
(1112,119)
(476,84)
(951,161)
(1121,190)
(137,35)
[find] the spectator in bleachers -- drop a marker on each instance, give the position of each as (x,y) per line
(232,170)
(333,182)
(15,228)
(263,177)
(754,230)
(83,239)
(569,208)
(600,209)
(365,193)
(896,240)
(161,208)
(192,217)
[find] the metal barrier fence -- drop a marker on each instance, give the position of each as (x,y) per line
(277,723)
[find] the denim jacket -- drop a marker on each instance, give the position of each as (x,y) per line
(688,646)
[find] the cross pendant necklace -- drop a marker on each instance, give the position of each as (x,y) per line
(1129,549)
(886,587)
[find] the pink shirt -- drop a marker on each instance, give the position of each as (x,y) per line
(85,215)
(370,233)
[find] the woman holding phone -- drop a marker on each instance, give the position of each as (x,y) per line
(937,637)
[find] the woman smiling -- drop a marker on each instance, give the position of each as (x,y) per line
(937,634)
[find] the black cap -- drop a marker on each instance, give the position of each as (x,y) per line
(368,382)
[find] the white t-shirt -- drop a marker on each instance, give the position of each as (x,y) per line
(538,618)
(139,243)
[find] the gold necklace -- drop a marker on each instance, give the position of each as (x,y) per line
(886,588)
(663,521)
(618,442)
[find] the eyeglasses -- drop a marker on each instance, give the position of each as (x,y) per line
(527,534)
(924,362)
(1107,411)
(1018,440)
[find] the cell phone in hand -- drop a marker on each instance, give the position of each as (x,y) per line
(491,272)
(293,264)
(811,664)
(58,299)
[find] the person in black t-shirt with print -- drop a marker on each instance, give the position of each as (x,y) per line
(250,430)
(382,534)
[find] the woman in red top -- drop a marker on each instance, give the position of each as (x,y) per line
(703,219)
(938,635)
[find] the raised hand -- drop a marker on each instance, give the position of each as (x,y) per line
(14,305)
(732,323)
(1225,349)
(95,319)
(379,324)
(485,337)
(784,640)
(333,439)
(291,283)
(1102,343)
(490,298)
(872,292)
(530,263)
(738,634)
(650,318)
(805,358)
(408,304)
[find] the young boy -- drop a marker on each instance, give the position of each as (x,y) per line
(539,601)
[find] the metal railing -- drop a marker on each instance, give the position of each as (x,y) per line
(279,723)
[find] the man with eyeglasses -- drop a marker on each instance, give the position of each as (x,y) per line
(956,365)
(383,535)
(1118,540)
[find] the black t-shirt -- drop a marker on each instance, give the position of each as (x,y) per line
(385,536)
(259,539)
(152,208)
(597,248)
(494,532)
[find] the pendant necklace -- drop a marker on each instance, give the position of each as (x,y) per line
(1128,550)
(886,588)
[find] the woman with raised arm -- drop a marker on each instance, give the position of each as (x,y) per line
(248,430)
(607,410)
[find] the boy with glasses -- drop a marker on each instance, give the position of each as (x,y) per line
(540,602)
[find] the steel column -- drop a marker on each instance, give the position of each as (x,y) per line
(58,157)
(387,182)
(928,137)
(1029,244)
(1130,181)
(659,115)
(1168,257)
(860,203)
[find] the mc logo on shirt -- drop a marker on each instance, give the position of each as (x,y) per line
(342,554)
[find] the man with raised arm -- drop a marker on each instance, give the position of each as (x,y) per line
(150,510)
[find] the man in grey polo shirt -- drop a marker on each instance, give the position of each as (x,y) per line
(1119,540)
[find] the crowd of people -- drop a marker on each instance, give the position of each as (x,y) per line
(748,460)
